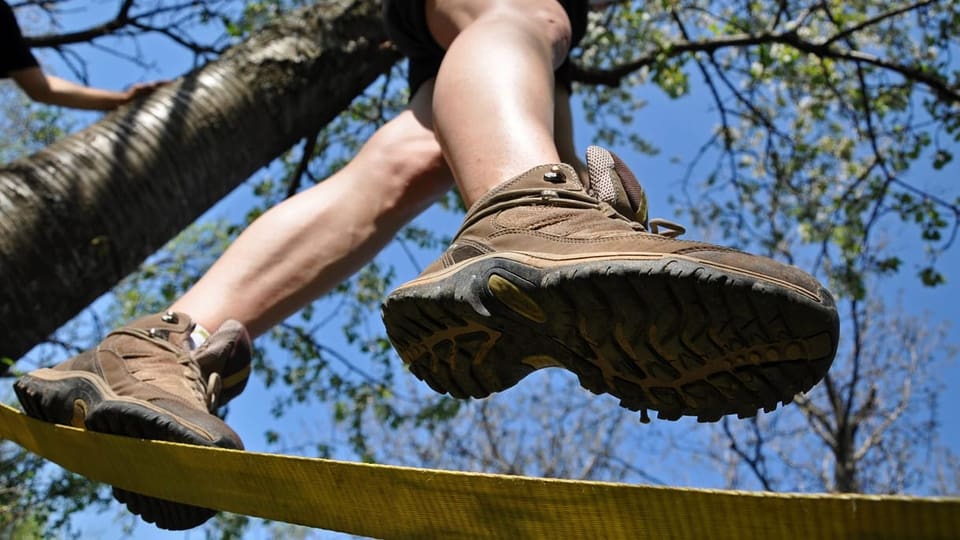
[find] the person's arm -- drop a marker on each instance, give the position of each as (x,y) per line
(51,89)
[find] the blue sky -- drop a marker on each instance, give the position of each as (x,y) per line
(677,127)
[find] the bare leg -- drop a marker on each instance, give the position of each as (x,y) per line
(494,100)
(493,128)
(308,244)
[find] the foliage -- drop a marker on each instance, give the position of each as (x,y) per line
(823,109)
(831,119)
(826,113)
(25,126)
(36,498)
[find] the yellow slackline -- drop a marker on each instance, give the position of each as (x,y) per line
(400,502)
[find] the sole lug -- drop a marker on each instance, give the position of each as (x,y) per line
(681,338)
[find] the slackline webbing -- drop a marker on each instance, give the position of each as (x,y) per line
(400,502)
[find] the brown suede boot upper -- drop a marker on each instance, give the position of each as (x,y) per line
(548,217)
(548,270)
(148,360)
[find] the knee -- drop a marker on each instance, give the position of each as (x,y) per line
(545,21)
(410,156)
(550,23)
(406,160)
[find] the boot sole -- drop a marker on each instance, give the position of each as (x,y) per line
(667,333)
(83,400)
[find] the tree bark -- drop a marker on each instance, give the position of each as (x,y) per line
(78,216)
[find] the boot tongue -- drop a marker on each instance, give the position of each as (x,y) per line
(611,181)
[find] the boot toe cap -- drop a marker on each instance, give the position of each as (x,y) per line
(767,270)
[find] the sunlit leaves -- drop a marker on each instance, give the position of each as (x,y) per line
(811,145)
(26,126)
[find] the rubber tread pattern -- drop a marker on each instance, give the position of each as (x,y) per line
(670,335)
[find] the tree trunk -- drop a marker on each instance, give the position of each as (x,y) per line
(845,469)
(78,216)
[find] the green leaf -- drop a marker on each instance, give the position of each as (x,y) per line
(931,277)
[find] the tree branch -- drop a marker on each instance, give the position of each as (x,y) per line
(306,156)
(755,462)
(125,24)
(613,75)
(847,32)
(816,419)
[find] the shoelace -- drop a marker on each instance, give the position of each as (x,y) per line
(214,386)
(206,392)
(673,229)
(570,199)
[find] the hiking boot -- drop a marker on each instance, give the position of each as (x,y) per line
(547,271)
(140,381)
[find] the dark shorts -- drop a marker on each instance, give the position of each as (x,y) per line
(406,25)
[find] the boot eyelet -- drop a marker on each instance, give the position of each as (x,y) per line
(554,176)
(152,332)
(169,317)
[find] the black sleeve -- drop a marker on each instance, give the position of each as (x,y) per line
(14,53)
